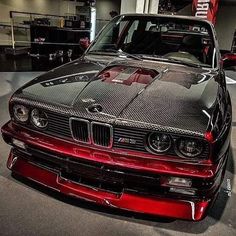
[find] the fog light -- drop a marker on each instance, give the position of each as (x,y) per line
(183,191)
(18,143)
(181,182)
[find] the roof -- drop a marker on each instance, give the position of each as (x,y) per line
(192,18)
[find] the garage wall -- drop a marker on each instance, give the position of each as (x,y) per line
(103,8)
(56,7)
(37,6)
(128,6)
(225,24)
(68,7)
(186,11)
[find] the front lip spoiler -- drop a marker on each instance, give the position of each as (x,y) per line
(181,209)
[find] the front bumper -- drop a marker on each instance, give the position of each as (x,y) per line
(177,207)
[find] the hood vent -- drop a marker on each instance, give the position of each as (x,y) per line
(127,75)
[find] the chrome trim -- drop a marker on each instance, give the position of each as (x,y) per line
(111,134)
(88,128)
(213,58)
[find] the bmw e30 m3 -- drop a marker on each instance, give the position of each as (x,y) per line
(140,122)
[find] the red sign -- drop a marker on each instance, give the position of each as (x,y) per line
(205,9)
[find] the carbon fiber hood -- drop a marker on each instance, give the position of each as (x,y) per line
(135,93)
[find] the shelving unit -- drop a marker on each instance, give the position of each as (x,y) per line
(48,35)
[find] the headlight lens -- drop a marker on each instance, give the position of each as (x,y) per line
(21,113)
(39,118)
(158,142)
(189,147)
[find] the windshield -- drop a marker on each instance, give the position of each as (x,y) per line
(163,38)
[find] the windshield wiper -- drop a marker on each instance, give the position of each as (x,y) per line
(159,58)
(119,52)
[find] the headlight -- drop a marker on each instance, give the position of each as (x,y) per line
(39,118)
(158,142)
(189,147)
(21,113)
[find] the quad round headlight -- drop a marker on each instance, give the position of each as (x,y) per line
(39,118)
(159,143)
(21,113)
(189,147)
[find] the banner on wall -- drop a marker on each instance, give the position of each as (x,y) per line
(206,9)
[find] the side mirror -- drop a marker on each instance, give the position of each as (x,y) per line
(229,60)
(84,43)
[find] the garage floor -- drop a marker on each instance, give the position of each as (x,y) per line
(27,209)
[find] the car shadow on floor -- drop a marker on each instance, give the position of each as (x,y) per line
(160,224)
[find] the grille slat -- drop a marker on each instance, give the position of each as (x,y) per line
(61,123)
(80,130)
(58,119)
(58,126)
(101,134)
(60,131)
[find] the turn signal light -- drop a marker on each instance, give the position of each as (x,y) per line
(18,143)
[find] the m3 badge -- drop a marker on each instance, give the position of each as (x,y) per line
(127,141)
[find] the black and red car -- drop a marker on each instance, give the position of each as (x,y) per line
(140,122)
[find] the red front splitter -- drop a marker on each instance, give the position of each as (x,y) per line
(181,209)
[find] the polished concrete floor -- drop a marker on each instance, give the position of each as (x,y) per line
(27,209)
